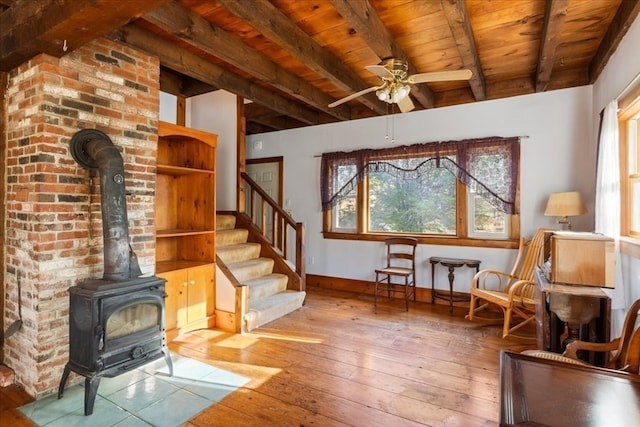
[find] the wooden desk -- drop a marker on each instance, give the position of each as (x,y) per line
(451,264)
(586,310)
(542,392)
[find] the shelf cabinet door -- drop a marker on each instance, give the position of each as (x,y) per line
(200,291)
(175,313)
(189,295)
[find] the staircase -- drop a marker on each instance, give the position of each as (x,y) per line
(267,295)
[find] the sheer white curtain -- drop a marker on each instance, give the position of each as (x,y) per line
(608,207)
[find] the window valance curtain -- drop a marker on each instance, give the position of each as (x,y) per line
(488,166)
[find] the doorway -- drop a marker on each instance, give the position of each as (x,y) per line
(268,174)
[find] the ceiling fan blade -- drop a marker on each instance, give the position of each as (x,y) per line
(355,95)
(380,71)
(406,104)
(440,76)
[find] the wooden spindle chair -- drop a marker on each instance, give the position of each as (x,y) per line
(401,264)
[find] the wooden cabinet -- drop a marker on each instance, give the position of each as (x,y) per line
(185,226)
(189,303)
(582,259)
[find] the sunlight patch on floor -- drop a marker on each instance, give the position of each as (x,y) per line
(144,397)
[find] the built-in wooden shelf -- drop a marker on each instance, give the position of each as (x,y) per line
(181,233)
(185,226)
(179,170)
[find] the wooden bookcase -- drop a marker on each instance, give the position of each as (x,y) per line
(185,226)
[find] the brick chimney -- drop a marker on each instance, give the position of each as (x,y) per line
(53,217)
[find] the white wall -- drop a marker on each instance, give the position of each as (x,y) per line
(216,112)
(623,67)
(558,155)
(168,107)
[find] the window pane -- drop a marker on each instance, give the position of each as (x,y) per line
(485,220)
(344,213)
(633,145)
(635,202)
(423,204)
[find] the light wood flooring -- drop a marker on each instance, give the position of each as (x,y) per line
(335,362)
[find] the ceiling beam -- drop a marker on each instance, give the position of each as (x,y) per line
(254,111)
(626,14)
(193,87)
(460,24)
(181,85)
(553,20)
(196,31)
(265,116)
(363,18)
(57,27)
(189,64)
(274,25)
(253,127)
(278,123)
(171,82)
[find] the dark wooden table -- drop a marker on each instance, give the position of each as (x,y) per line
(451,264)
(542,392)
(585,311)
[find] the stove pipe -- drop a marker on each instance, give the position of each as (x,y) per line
(93,150)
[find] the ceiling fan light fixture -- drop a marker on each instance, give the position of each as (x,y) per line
(400,93)
(383,94)
(396,84)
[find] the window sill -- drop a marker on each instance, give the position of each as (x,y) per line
(430,240)
(630,246)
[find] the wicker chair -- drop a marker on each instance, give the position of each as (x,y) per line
(512,292)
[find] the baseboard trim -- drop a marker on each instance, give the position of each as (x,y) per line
(366,287)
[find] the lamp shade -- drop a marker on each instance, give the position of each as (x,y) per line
(565,204)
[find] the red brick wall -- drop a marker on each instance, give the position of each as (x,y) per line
(53,228)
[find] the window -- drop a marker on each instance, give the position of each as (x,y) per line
(486,221)
(447,191)
(421,204)
(344,216)
(629,125)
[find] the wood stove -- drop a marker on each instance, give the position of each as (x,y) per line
(116,323)
(113,329)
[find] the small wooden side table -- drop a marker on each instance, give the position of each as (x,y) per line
(451,264)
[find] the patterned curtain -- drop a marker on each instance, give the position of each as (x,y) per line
(489,166)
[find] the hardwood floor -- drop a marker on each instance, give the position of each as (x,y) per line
(335,362)
(13,397)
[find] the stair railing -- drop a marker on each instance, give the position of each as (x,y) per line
(284,233)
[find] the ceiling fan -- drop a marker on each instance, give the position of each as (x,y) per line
(396,84)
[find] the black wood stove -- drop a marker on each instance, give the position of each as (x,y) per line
(116,323)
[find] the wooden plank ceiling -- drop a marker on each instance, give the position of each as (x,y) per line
(292,58)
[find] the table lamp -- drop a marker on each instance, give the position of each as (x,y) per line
(564,205)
